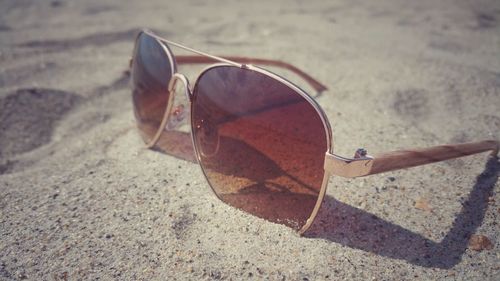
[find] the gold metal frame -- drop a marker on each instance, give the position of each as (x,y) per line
(359,165)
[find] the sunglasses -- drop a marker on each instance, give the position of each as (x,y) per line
(264,145)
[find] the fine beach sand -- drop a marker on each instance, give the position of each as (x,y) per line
(81,198)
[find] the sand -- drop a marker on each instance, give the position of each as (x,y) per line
(81,198)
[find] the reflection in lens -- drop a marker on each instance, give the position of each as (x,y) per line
(271,144)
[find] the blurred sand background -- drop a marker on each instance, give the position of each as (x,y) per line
(80,197)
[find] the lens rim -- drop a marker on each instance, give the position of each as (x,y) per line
(303,94)
(173,69)
(166,48)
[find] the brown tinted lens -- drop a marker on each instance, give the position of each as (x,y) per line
(152,69)
(261,144)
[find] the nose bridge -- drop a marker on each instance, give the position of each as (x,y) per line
(182,78)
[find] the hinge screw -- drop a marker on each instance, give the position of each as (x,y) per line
(360,152)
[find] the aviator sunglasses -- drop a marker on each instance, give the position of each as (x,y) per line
(264,145)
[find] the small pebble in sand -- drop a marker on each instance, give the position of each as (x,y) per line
(479,243)
(423,204)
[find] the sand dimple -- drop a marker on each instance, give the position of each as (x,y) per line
(4,27)
(411,104)
(485,20)
(28,117)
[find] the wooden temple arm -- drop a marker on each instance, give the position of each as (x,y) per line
(244,60)
(363,165)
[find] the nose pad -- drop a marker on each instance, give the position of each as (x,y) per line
(177,116)
(179,113)
(207,137)
(174,112)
